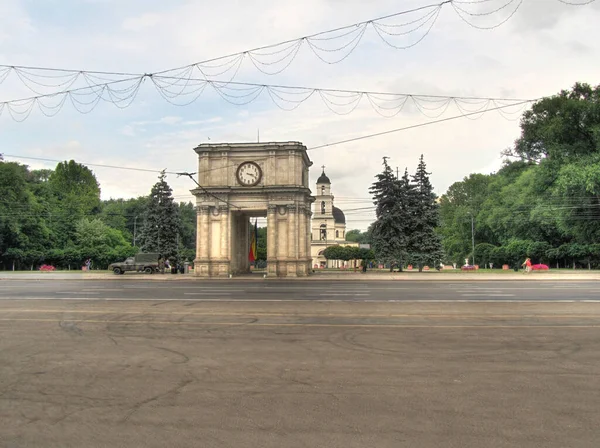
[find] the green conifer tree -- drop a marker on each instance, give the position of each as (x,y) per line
(424,244)
(161,221)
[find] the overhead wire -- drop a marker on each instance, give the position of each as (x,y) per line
(404,128)
(339,101)
(284,52)
(377,134)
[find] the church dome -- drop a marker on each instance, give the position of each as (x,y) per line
(338,216)
(323,179)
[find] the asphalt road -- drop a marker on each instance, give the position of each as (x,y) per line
(286,290)
(299,364)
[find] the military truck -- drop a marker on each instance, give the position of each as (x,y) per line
(147,263)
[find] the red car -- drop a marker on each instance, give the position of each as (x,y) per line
(539,267)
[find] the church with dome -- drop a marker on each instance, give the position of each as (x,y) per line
(328,225)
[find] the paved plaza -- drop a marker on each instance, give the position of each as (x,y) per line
(100,363)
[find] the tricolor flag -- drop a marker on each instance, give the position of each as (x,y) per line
(252,253)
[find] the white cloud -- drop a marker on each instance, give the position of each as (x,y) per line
(148,20)
(170,120)
(128,130)
(199,122)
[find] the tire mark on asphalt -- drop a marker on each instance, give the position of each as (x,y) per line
(174,352)
(174,390)
(70,327)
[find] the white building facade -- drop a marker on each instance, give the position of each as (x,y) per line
(328,225)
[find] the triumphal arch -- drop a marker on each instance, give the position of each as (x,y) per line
(241,181)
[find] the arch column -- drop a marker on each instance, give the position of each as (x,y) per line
(224,267)
(292,240)
(202,262)
(307,216)
(272,240)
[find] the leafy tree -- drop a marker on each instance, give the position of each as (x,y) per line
(261,244)
(22,228)
(40,176)
(161,221)
(561,127)
(537,250)
(462,201)
(366,254)
(550,198)
(76,194)
(347,253)
(74,182)
(114,214)
(353,235)
(516,251)
(100,242)
(484,253)
(334,253)
(359,237)
(424,245)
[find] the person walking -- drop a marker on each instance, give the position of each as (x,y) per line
(527,265)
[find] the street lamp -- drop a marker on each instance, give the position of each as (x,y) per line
(473,236)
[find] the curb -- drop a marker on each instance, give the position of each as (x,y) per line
(351,277)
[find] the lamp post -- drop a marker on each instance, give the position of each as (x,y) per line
(134,229)
(473,236)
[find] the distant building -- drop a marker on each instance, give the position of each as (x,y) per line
(328,225)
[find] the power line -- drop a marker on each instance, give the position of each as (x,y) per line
(285,97)
(191,176)
(427,123)
(42,159)
(308,149)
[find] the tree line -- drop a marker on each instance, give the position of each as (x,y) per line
(544,203)
(56,217)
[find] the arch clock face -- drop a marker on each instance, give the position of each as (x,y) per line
(248,174)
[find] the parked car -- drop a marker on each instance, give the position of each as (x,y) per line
(147,263)
(540,267)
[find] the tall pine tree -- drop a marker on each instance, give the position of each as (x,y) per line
(388,236)
(424,244)
(161,221)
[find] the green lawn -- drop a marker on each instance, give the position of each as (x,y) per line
(458,271)
(62,271)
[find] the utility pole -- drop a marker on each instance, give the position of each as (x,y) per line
(397,173)
(158,229)
(473,237)
(134,229)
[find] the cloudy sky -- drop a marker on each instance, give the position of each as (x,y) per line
(544,47)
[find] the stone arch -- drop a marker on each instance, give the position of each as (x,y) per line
(243,181)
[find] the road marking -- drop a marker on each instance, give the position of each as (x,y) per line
(473,291)
(102,290)
(77,292)
(130,299)
(299,315)
(485,294)
(344,294)
(260,324)
(207,293)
